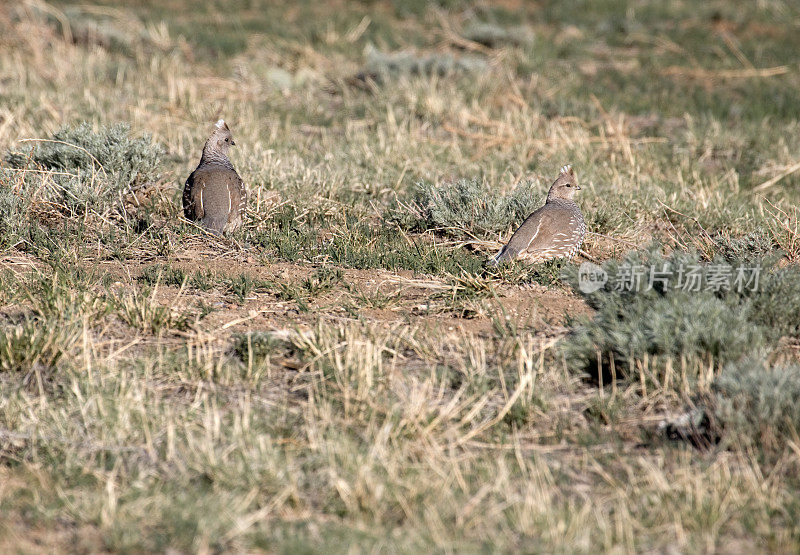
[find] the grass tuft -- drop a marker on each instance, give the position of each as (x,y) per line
(466,208)
(36,344)
(140,310)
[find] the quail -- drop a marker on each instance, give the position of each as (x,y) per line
(214,194)
(555,230)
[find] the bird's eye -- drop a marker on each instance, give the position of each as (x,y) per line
(568,184)
(227,140)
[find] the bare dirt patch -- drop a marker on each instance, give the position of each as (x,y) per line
(402,297)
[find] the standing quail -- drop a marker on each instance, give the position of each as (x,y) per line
(214,194)
(555,230)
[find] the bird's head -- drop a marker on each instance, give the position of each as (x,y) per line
(221,138)
(565,185)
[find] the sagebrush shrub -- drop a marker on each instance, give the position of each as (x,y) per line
(720,326)
(11,212)
(675,326)
(754,245)
(757,404)
(382,66)
(467,208)
(92,167)
(494,36)
(776,303)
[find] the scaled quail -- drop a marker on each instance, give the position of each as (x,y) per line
(214,194)
(555,230)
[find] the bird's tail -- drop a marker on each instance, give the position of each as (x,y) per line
(498,258)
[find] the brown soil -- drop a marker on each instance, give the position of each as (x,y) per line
(416,300)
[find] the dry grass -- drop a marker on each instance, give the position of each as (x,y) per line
(333,378)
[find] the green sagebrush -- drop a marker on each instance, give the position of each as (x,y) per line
(721,327)
(90,168)
(757,404)
(467,208)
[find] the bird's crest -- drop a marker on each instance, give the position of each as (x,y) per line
(567,170)
(221,124)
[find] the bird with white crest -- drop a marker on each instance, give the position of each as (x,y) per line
(214,195)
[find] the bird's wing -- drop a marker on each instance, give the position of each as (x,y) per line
(193,197)
(238,195)
(541,235)
(553,231)
(529,232)
(522,237)
(213,195)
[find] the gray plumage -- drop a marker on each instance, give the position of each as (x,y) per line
(214,194)
(555,230)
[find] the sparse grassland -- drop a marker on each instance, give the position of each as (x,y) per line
(344,372)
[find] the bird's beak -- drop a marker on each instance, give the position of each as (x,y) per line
(233,143)
(577,187)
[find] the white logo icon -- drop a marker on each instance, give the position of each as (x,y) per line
(591,277)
